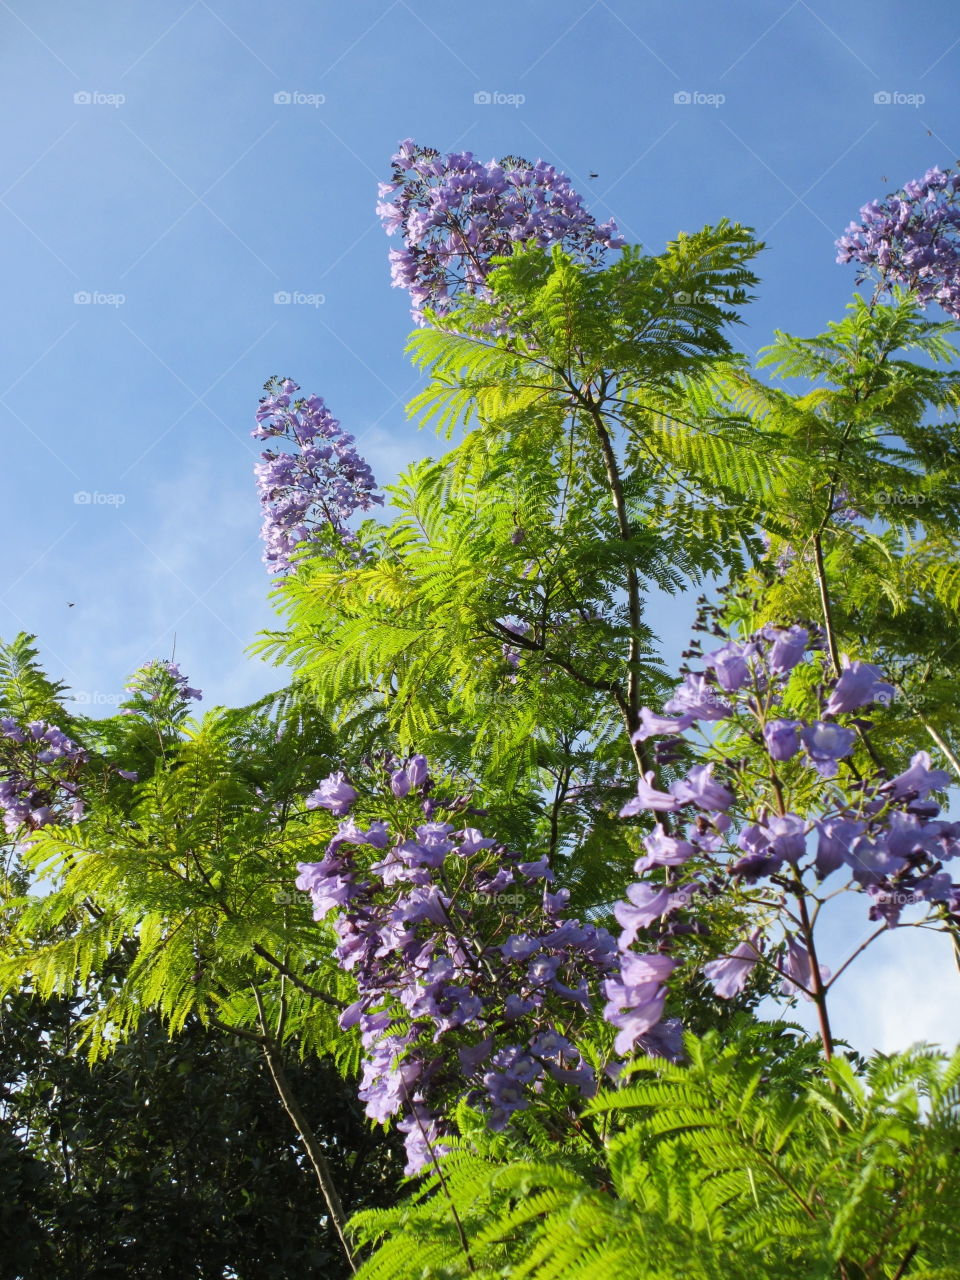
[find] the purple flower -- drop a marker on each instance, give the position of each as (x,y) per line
(635,1002)
(519,947)
(417,769)
(789,646)
(787,837)
(515,1007)
(699,788)
(473,841)
(10,729)
(317,485)
(652,725)
(731,665)
(696,699)
(665,1040)
(834,841)
(760,859)
(422,1143)
(334,793)
(553,903)
(455,214)
(859,684)
(471,1056)
(538,870)
(911,239)
(663,851)
(825,744)
(729,975)
(797,969)
(918,780)
(646,903)
(648,797)
(782,738)
(508,1094)
(873,861)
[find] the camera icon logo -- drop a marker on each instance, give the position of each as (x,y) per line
(281,298)
(283,98)
(83,98)
(482,99)
(883,98)
(682,98)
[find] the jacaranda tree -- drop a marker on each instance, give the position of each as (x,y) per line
(490,856)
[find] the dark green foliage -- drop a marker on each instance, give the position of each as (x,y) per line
(171,1159)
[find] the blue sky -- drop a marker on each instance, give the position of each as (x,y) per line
(149,167)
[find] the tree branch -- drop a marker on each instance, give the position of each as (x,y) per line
(307,1137)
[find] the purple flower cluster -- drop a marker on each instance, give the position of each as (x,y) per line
(469,976)
(913,238)
(883,833)
(319,484)
(38,771)
(455,214)
(157,677)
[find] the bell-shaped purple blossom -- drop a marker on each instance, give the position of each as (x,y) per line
(636,1000)
(417,770)
(9,728)
(652,725)
(423,1142)
(648,797)
(699,788)
(786,836)
(789,646)
(782,738)
(835,837)
(919,780)
(729,975)
(872,861)
(697,699)
(825,743)
(859,684)
(399,783)
(646,903)
(334,793)
(471,1057)
(797,968)
(731,665)
(536,870)
(759,857)
(663,851)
